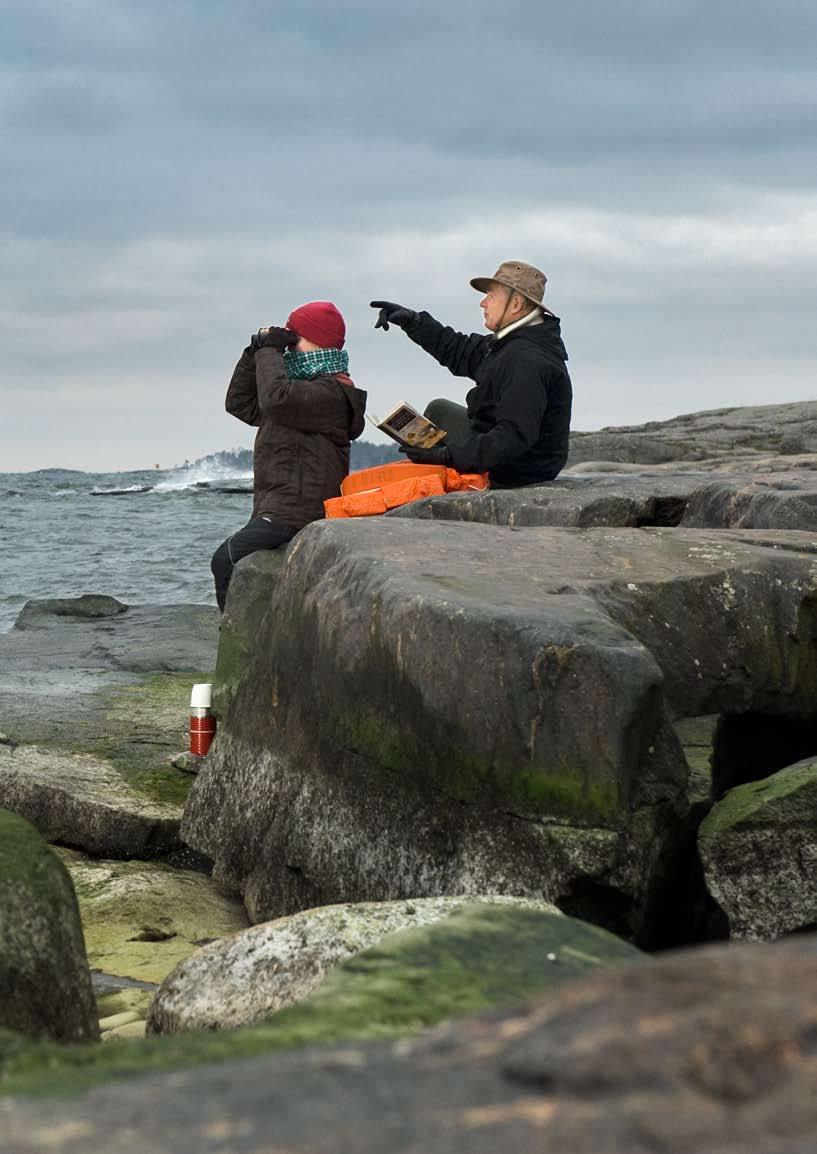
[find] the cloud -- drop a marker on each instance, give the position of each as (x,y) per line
(177,174)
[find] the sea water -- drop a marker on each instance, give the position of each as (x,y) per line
(145,537)
(142,537)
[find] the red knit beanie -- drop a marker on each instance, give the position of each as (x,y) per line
(319,322)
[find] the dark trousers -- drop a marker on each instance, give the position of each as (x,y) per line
(260,533)
(452,417)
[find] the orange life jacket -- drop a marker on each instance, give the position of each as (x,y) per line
(371,491)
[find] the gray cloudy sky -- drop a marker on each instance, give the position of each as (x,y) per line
(176,174)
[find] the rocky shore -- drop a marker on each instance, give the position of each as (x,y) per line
(487,744)
(93,702)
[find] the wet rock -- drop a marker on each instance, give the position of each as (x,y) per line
(659,1056)
(100,633)
(45,983)
(758,846)
(37,614)
(465,708)
(82,801)
(142,918)
(61,673)
(251,975)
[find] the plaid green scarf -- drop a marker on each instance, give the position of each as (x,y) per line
(300,366)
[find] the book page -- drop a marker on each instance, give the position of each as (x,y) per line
(409,427)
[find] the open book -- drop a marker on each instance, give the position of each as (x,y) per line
(408,427)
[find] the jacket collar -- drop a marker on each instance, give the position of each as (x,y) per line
(531,318)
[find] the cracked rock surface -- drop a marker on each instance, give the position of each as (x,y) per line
(464,708)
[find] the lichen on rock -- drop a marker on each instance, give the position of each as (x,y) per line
(45,982)
(252,974)
(758,846)
(142,918)
(427,707)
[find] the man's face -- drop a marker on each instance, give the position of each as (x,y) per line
(495,307)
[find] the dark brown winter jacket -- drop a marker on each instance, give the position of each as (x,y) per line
(301,452)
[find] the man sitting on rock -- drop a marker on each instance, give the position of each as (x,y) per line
(292,383)
(516,422)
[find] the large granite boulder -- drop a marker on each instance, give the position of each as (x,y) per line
(45,982)
(250,596)
(707,1050)
(448,708)
(781,496)
(252,974)
(574,500)
(748,431)
(777,502)
(758,846)
(476,957)
(83,801)
(39,614)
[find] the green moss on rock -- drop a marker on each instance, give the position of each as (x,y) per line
(775,799)
(25,856)
(145,724)
(247,603)
(466,777)
(484,956)
(45,983)
(121,1001)
(139,727)
(142,918)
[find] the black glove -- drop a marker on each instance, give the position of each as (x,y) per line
(392,314)
(436,455)
(273,338)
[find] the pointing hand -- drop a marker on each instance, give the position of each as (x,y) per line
(392,314)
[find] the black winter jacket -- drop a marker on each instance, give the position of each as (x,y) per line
(301,451)
(519,408)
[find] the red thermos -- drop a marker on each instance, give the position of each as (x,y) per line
(202,722)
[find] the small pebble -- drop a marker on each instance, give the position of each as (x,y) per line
(189,762)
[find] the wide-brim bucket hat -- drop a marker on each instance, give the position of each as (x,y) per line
(523,278)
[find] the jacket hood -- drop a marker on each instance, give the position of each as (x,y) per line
(547,335)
